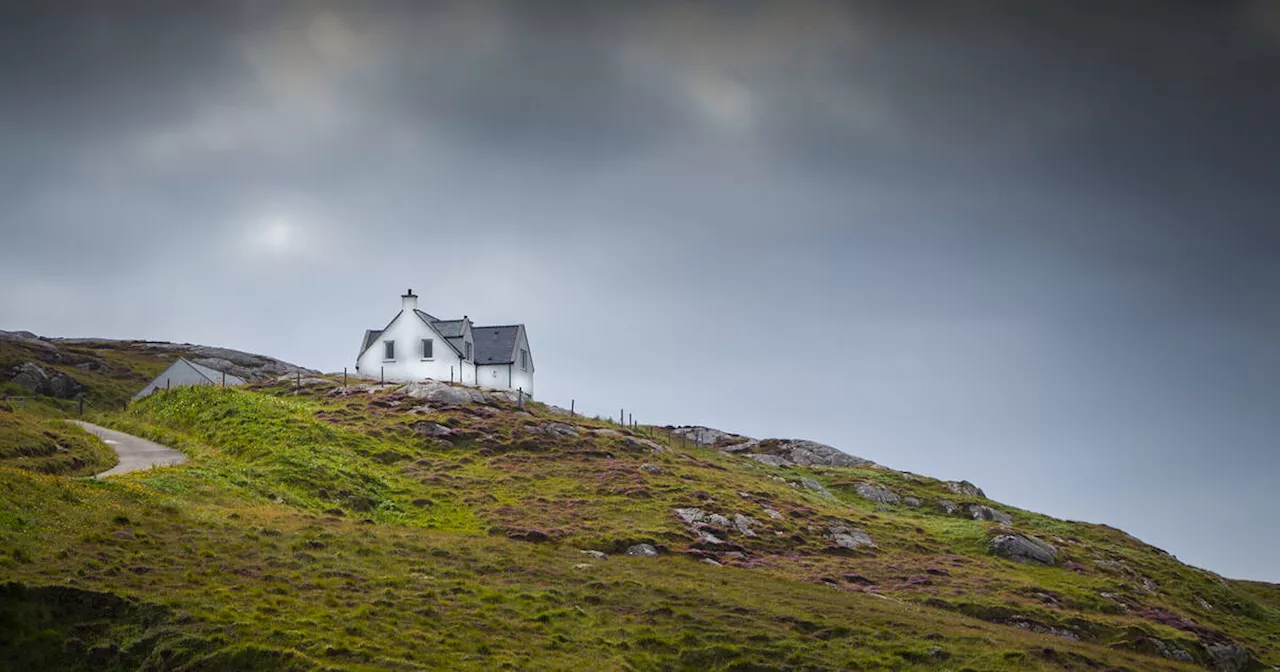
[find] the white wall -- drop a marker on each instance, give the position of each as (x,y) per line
(408,330)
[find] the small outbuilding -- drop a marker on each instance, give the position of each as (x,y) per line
(183,373)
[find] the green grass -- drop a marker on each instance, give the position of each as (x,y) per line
(48,445)
(323,532)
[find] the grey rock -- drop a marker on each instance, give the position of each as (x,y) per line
(691,515)
(34,379)
(26,338)
(815,486)
(717,519)
(773,514)
(965,488)
(707,436)
(434,391)
(642,551)
(807,453)
(1228,657)
(848,537)
(595,554)
(1021,548)
(911,501)
(744,524)
(709,561)
(427,428)
(639,443)
(559,429)
(708,538)
(771,460)
(1170,651)
(948,506)
(876,493)
(745,446)
(651,468)
(982,512)
(29,376)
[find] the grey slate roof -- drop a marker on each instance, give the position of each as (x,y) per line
(448,328)
(370,337)
(496,345)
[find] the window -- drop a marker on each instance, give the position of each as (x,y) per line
(427,348)
(524,360)
(468,344)
(389,350)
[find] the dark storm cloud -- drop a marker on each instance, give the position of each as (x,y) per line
(1030,244)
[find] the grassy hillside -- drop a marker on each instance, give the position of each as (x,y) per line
(330,530)
(36,442)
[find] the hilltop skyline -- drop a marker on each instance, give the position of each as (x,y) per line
(1029,245)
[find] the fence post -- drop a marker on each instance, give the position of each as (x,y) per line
(571,402)
(344,376)
(451,375)
(166,383)
(224,379)
(382,375)
(521,391)
(298,384)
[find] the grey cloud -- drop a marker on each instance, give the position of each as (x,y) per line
(1025,244)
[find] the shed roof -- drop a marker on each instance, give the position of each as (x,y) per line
(214,375)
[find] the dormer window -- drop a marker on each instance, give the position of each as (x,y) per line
(389,350)
(428,347)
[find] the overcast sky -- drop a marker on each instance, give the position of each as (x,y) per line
(1035,245)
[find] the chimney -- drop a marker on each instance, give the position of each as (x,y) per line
(408,300)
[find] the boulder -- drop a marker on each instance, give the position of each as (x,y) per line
(1021,548)
(558,429)
(642,551)
(815,486)
(598,555)
(911,501)
(34,379)
(744,524)
(876,493)
(948,506)
(965,488)
(844,536)
(691,515)
(1229,657)
(650,468)
(434,391)
(982,512)
(427,428)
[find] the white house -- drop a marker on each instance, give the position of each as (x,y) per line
(417,345)
(183,373)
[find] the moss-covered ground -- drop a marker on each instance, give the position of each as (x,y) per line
(328,529)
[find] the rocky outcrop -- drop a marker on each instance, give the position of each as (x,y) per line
(642,551)
(849,538)
(981,512)
(779,452)
(965,488)
(1021,548)
(876,493)
(434,391)
(802,452)
(34,379)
